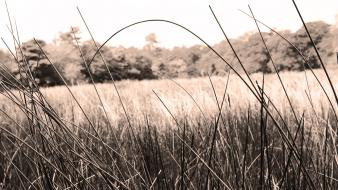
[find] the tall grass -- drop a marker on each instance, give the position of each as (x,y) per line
(238,131)
(275,131)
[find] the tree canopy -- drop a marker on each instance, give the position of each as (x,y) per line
(151,62)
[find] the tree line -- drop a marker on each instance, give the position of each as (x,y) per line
(72,57)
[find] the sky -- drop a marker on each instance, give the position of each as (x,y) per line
(45,19)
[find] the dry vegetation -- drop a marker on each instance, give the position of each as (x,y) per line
(140,100)
(150,153)
(234,132)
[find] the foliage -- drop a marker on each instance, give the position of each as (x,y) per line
(130,64)
(152,61)
(32,61)
(66,57)
(150,134)
(320,33)
(254,54)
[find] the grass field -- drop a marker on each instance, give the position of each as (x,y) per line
(233,132)
(140,100)
(169,141)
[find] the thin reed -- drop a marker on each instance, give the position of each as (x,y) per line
(259,131)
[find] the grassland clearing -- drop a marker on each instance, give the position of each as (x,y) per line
(160,146)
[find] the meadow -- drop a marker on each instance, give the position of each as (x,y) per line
(140,100)
(241,131)
(172,135)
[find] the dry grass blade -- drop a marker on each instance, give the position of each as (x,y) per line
(235,131)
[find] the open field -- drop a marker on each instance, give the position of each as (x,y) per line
(237,130)
(140,101)
(62,147)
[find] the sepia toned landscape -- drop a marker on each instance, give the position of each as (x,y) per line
(254,112)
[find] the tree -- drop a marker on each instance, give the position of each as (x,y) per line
(68,37)
(123,63)
(95,65)
(209,58)
(179,62)
(151,45)
(66,57)
(253,53)
(320,33)
(283,54)
(33,63)
(151,39)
